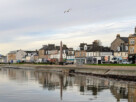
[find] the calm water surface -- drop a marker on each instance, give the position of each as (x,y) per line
(18,85)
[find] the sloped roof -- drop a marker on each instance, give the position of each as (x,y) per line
(99,48)
(53,47)
(125,39)
(31,51)
(44,47)
(12,52)
(82,44)
(134,35)
(65,47)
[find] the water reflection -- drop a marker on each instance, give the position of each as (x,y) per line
(58,87)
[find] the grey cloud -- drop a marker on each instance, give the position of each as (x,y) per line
(37,20)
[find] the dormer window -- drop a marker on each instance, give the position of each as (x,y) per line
(126,48)
(85,47)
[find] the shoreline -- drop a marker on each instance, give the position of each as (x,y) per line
(129,68)
(126,73)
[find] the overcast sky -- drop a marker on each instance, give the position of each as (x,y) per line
(29,24)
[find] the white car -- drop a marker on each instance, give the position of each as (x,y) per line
(125,62)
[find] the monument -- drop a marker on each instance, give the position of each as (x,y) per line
(61,54)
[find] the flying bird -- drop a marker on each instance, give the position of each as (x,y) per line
(66,11)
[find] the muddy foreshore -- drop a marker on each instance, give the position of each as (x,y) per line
(127,73)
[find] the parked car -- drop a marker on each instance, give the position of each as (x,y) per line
(114,60)
(66,63)
(125,62)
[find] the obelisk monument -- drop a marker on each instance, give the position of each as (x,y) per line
(61,52)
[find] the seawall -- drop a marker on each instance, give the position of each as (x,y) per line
(121,72)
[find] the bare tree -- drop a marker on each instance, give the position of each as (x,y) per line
(97,43)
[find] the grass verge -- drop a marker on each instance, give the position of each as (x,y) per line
(111,64)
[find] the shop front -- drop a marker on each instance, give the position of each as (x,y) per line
(132,58)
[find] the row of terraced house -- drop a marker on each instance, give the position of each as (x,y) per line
(123,48)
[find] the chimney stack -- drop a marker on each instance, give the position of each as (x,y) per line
(118,36)
(135,30)
(130,35)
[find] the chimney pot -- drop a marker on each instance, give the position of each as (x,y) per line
(130,35)
(118,35)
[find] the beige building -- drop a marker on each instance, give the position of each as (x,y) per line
(80,57)
(50,52)
(124,55)
(80,54)
(120,44)
(120,47)
(132,47)
(12,57)
(42,54)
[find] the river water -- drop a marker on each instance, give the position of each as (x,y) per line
(19,85)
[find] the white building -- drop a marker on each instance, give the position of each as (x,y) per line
(20,55)
(57,55)
(71,59)
(123,55)
(98,54)
(3,59)
(98,57)
(30,56)
(71,55)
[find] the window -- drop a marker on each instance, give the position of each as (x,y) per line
(118,48)
(132,41)
(79,53)
(132,50)
(83,54)
(87,54)
(76,54)
(49,52)
(85,47)
(126,48)
(46,52)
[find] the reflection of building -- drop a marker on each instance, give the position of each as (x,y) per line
(131,93)
(81,85)
(124,92)
(119,92)
(95,85)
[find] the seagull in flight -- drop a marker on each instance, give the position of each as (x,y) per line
(66,11)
